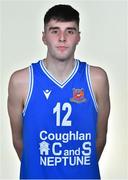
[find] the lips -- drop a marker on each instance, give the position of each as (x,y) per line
(62,48)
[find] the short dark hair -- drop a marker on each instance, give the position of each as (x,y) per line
(62,13)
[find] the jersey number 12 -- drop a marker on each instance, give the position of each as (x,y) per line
(57,110)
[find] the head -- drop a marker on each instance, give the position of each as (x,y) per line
(62,13)
(61,31)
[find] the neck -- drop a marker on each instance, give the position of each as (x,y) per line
(60,69)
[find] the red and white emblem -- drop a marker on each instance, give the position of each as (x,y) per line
(78,95)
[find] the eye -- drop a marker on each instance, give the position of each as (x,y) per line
(70,32)
(54,31)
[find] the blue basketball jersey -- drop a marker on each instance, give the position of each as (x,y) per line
(59,126)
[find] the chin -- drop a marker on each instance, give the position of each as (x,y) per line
(62,58)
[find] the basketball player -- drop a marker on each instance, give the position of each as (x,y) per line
(59,106)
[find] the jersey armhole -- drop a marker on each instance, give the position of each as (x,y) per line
(89,82)
(30,88)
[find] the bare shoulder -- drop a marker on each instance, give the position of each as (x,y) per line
(98,73)
(19,76)
(99,80)
(18,84)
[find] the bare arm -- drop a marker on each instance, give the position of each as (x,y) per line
(16,93)
(101,90)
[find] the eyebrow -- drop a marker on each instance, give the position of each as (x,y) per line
(72,28)
(56,27)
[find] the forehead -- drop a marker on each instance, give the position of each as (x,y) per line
(61,25)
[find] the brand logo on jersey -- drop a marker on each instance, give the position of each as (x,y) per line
(78,96)
(47,93)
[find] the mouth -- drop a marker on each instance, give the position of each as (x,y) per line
(62,48)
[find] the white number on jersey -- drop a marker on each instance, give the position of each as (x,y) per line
(57,110)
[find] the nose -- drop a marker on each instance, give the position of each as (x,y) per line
(62,37)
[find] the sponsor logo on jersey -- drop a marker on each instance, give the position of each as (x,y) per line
(78,96)
(47,93)
(56,148)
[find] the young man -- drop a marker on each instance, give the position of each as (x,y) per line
(59,106)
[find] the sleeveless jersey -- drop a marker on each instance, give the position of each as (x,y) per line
(59,126)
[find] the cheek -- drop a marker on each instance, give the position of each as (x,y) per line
(50,45)
(49,41)
(73,42)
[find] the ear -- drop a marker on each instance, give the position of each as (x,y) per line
(78,38)
(44,38)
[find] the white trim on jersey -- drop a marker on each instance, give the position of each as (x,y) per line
(90,87)
(49,75)
(30,88)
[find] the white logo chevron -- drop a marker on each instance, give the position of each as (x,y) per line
(47,93)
